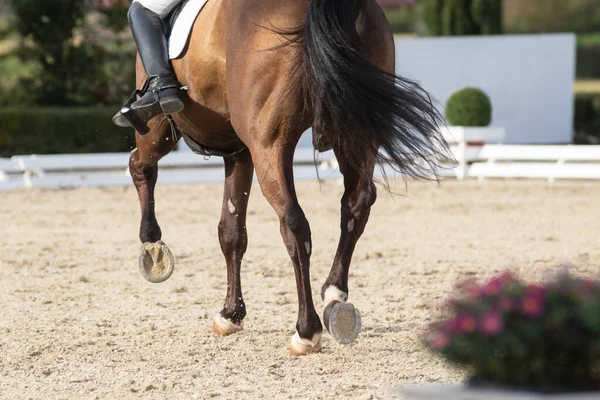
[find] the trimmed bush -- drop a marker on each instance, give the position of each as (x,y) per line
(65,130)
(587,119)
(469,107)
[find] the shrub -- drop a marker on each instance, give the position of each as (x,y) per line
(71,72)
(587,118)
(588,61)
(526,336)
(65,130)
(462,17)
(469,107)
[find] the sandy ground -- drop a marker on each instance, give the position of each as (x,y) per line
(78,321)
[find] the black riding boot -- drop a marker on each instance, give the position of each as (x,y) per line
(164,94)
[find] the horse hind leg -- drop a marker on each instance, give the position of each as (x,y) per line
(275,175)
(233,239)
(342,319)
(155,261)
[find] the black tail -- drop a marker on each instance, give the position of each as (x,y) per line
(358,107)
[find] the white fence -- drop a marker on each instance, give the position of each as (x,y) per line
(111,169)
(488,161)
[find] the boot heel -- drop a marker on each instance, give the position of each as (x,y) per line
(171,106)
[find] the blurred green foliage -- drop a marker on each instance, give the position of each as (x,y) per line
(71,73)
(462,17)
(545,16)
(61,130)
(587,118)
(57,62)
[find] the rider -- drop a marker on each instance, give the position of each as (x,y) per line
(146,19)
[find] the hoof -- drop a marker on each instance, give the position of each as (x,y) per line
(343,321)
(224,327)
(302,347)
(156,262)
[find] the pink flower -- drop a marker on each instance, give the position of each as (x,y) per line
(532,305)
(493,287)
(440,341)
(491,323)
(536,290)
(466,323)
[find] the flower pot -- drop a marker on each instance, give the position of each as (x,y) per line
(467,142)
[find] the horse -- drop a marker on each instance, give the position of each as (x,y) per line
(258,74)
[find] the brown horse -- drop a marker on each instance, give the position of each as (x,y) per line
(259,73)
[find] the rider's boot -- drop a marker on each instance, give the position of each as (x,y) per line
(164,93)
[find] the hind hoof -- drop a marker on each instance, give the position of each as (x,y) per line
(156,262)
(303,347)
(343,321)
(224,327)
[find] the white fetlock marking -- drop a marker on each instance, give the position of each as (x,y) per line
(231,206)
(351,225)
(300,343)
(334,294)
(227,325)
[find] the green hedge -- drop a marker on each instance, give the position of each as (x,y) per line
(587,118)
(588,61)
(64,130)
(469,107)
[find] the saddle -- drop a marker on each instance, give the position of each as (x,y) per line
(180,22)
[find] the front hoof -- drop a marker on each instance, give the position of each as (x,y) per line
(343,321)
(156,262)
(302,347)
(224,327)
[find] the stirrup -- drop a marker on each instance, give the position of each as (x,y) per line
(130,115)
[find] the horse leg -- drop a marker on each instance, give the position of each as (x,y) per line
(155,260)
(239,171)
(275,175)
(341,319)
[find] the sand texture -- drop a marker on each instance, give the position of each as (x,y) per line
(79,321)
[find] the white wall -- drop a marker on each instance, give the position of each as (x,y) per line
(529,78)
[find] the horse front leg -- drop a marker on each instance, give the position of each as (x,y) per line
(233,238)
(155,260)
(275,175)
(341,319)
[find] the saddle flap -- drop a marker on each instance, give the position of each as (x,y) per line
(183,24)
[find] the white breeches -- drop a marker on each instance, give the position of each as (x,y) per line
(160,7)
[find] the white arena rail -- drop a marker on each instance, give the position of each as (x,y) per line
(489,161)
(537,161)
(111,169)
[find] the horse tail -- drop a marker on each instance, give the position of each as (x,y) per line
(360,108)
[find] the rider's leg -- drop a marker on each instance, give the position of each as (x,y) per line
(164,94)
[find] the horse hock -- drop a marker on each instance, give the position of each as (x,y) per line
(156,262)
